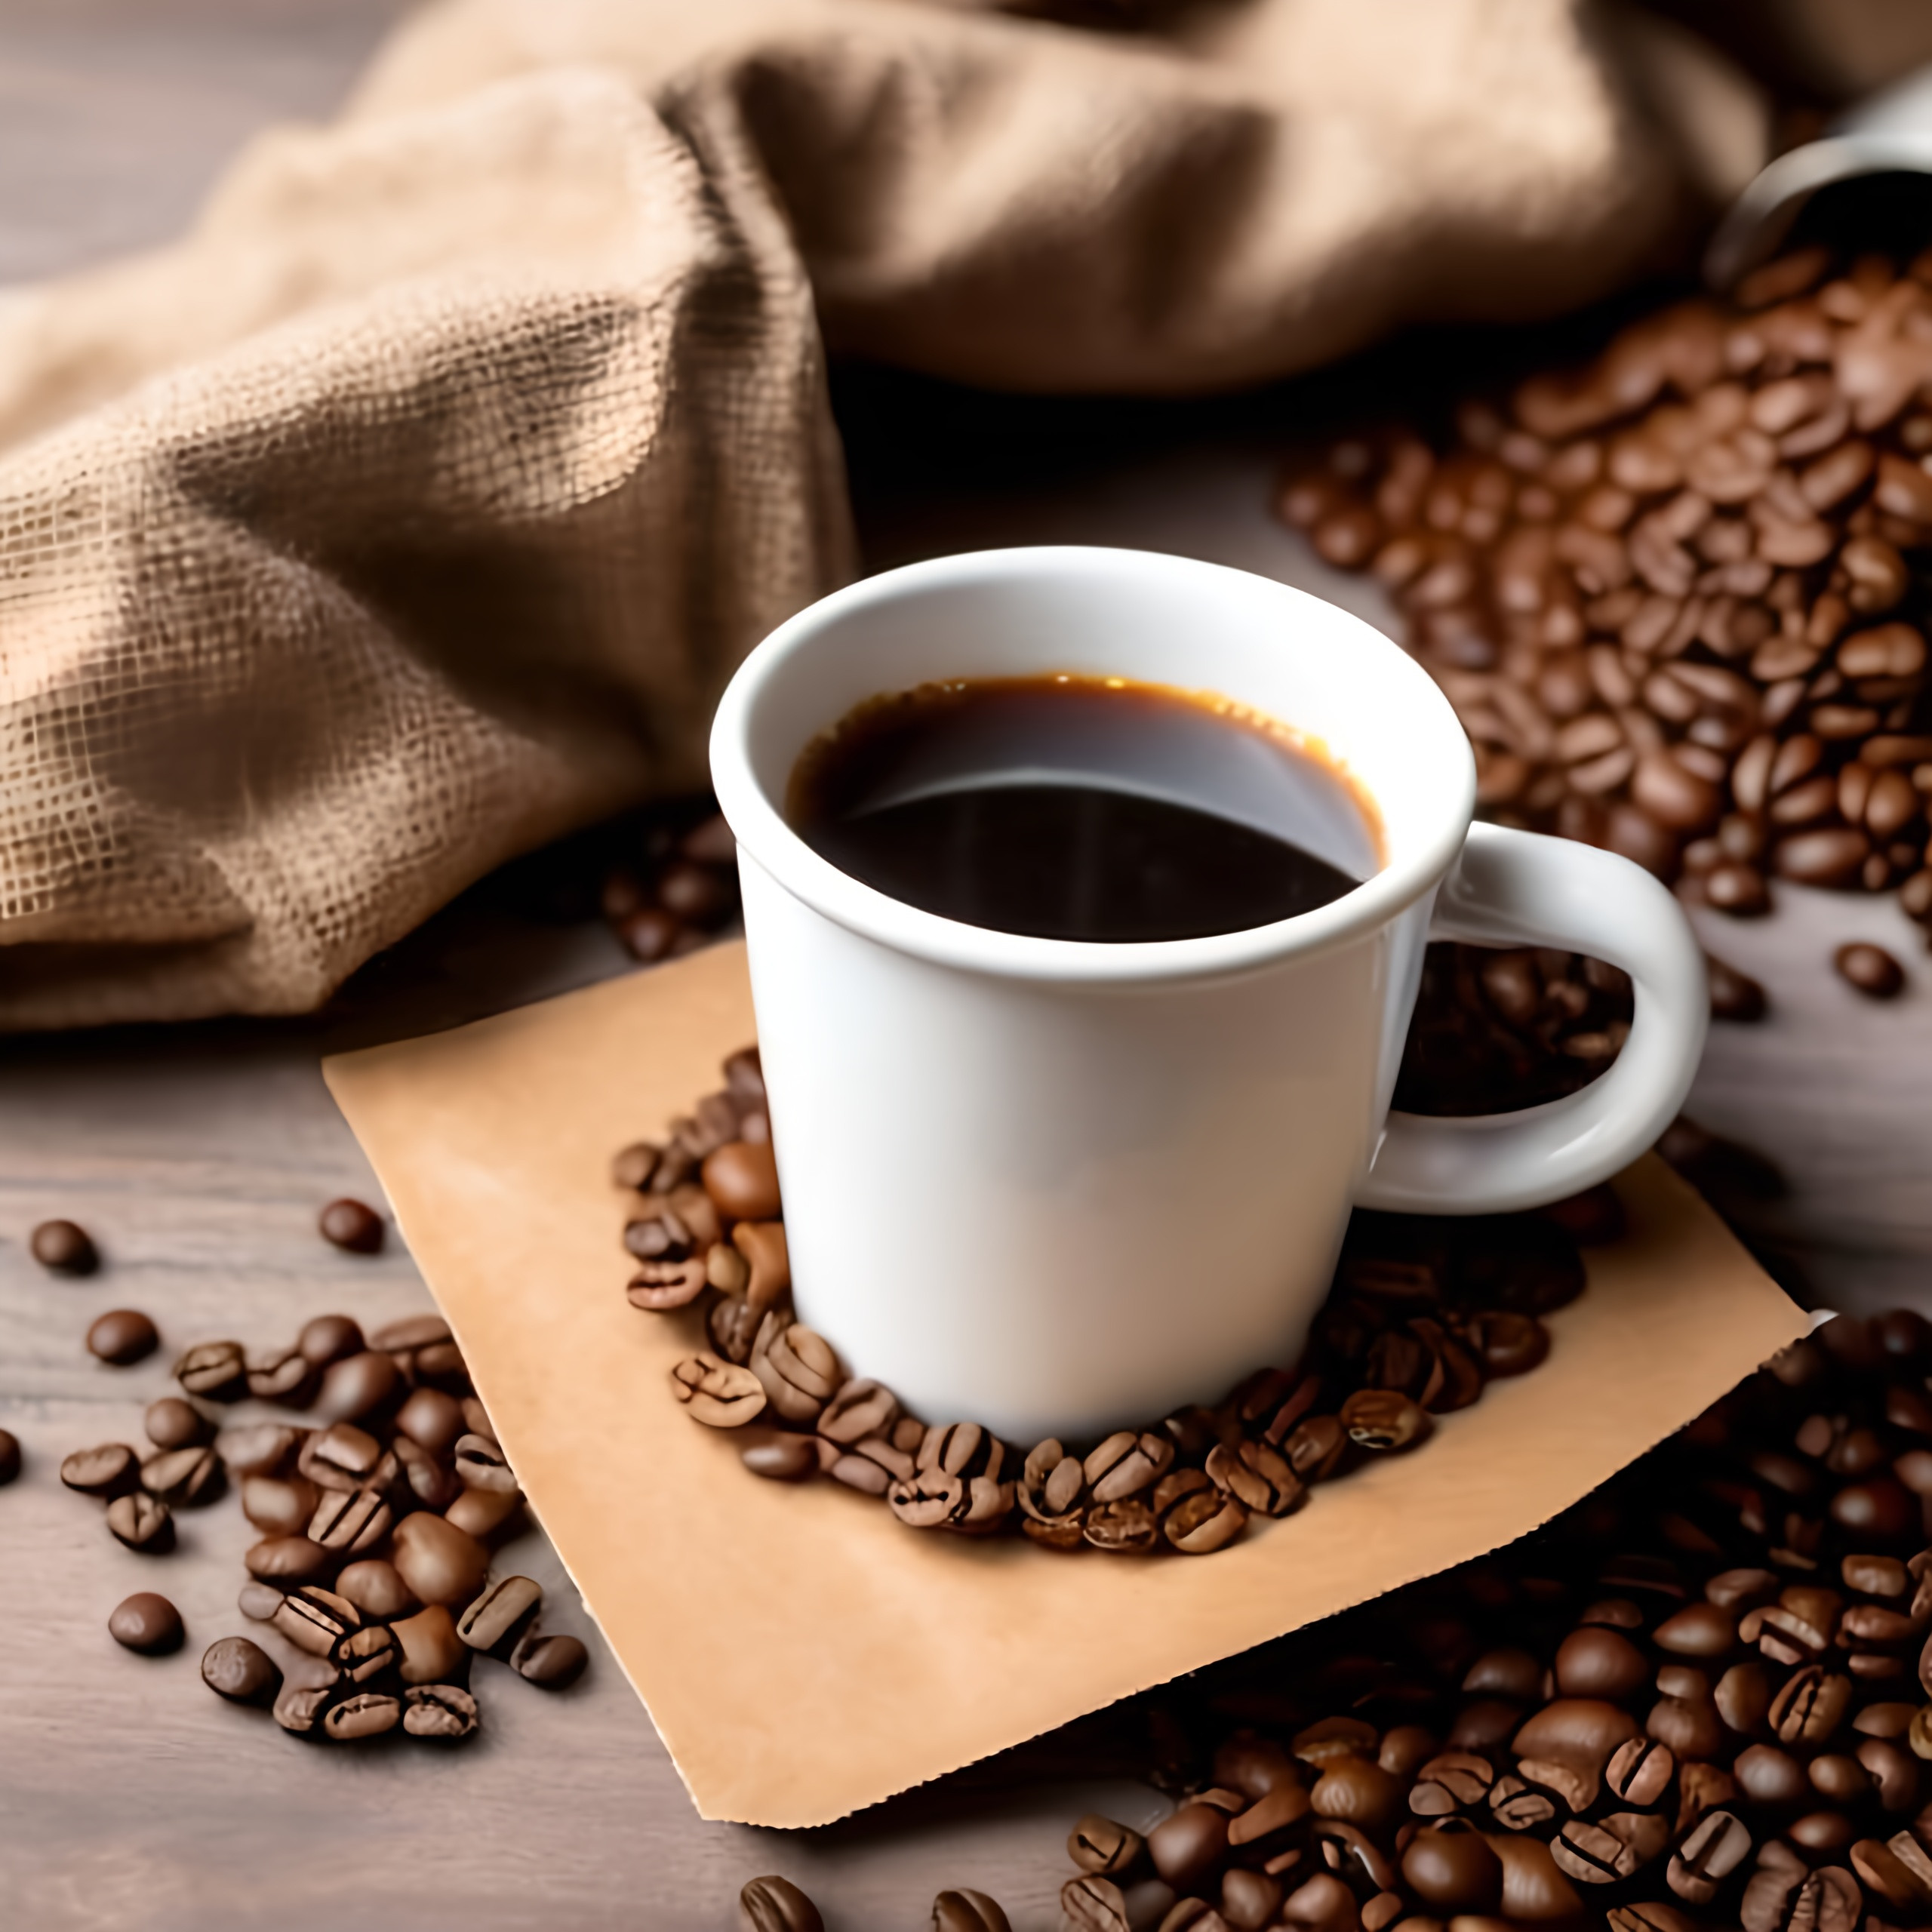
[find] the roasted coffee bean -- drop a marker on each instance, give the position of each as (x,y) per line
(426,1479)
(796,1369)
(784,1459)
(433,1419)
(352,1225)
(256,1448)
(1597,1662)
(374,1587)
(142,1525)
(1870,969)
(1452,1867)
(242,1672)
(172,1423)
(1185,1847)
(63,1247)
(776,1905)
(110,1470)
(1639,1772)
(428,1650)
(551,1661)
(968,1911)
(1098,1844)
(718,1394)
(350,1523)
(147,1623)
(409,1334)
(1810,1706)
(479,1464)
(10,1457)
(354,1386)
(367,1714)
(341,1457)
(762,1245)
(445,1712)
(500,1614)
(858,1410)
(216,1371)
(1379,1420)
(1713,1849)
(328,1338)
(1125,1528)
(1517,1807)
(316,1620)
(122,1336)
(279,1506)
(1735,996)
(284,1375)
(1198,1519)
(438,1561)
(482,1512)
(183,1478)
(742,1180)
(1699,1630)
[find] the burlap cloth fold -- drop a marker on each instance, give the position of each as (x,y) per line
(415,507)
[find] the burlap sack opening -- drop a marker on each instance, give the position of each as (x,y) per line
(414,508)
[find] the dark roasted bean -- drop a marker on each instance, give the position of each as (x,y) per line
(776,1905)
(217,1371)
(240,1671)
(352,1225)
(64,1247)
(145,1623)
(122,1336)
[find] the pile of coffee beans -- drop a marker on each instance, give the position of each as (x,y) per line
(376,1515)
(1679,598)
(675,887)
(1697,1698)
(1422,1314)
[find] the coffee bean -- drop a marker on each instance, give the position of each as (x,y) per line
(354,1385)
(216,1371)
(481,1513)
(1639,1771)
(364,1655)
(350,1523)
(352,1225)
(240,1671)
(183,1478)
(719,1394)
(551,1661)
(500,1614)
(110,1470)
(328,1338)
(146,1623)
(10,1457)
(1379,1420)
(172,1423)
(445,1712)
(1597,1662)
(259,1601)
(776,1905)
(1098,1844)
(316,1620)
(142,1525)
(63,1247)
(289,1559)
(742,1180)
(122,1336)
(438,1560)
(784,1459)
(256,1448)
(432,1419)
(1870,969)
(367,1714)
(279,1506)
(342,1456)
(479,1464)
(283,1375)
(308,1692)
(968,1911)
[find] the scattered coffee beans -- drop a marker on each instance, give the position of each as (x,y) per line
(1678,599)
(64,1247)
(1695,1699)
(122,1336)
(1423,1313)
(776,1904)
(147,1623)
(353,1226)
(240,1671)
(372,1548)
(1871,969)
(679,887)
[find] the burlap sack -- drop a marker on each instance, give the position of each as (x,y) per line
(415,508)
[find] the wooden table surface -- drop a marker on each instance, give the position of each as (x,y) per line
(129,1797)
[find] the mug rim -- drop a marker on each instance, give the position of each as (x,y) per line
(765,836)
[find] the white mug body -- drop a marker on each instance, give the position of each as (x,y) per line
(1056,1187)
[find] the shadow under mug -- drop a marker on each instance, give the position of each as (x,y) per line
(1056,1187)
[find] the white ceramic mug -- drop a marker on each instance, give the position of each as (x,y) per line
(1055,1187)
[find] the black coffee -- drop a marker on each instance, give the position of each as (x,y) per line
(1080,807)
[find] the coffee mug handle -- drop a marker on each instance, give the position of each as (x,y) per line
(1520,888)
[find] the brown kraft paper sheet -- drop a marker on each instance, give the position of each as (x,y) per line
(802,1654)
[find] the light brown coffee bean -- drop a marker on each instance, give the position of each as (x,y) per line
(776,1905)
(718,1394)
(142,1525)
(122,1337)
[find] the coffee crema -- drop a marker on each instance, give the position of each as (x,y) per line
(1068,806)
